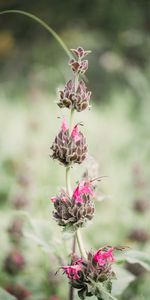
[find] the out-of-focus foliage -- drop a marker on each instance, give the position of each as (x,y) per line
(117,32)
(28,179)
(117,129)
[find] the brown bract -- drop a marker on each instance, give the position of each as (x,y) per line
(71,215)
(67,150)
(78,100)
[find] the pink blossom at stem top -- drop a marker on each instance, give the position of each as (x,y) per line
(72,271)
(103,257)
(81,189)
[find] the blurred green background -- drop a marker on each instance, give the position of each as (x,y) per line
(32,66)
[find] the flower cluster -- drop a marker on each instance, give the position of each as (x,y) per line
(76,96)
(69,148)
(14,262)
(96,268)
(73,212)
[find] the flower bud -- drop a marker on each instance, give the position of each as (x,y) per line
(20,292)
(15,230)
(78,67)
(14,262)
(139,235)
(80,52)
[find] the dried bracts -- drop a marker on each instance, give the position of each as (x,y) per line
(86,274)
(75,94)
(74,98)
(69,148)
(73,212)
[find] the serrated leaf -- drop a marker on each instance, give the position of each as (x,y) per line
(6,296)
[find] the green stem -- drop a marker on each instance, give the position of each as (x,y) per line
(43,24)
(71,119)
(68,184)
(80,244)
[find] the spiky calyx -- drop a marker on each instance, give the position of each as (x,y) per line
(71,214)
(69,148)
(73,98)
(14,262)
(86,274)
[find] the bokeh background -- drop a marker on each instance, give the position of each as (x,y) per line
(32,66)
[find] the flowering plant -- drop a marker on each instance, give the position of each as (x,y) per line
(72,210)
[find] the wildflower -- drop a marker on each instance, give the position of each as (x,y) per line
(82,272)
(75,134)
(83,188)
(69,149)
(104,256)
(72,271)
(72,214)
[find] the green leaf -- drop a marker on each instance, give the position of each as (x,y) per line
(104,293)
(135,256)
(101,291)
(6,296)
(124,278)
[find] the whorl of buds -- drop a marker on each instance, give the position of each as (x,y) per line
(75,94)
(69,148)
(73,98)
(73,212)
(96,268)
(20,292)
(14,262)
(16,230)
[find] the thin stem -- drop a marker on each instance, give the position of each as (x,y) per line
(41,22)
(80,244)
(68,184)
(71,119)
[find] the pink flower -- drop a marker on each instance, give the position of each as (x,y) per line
(53,199)
(103,256)
(64,199)
(72,271)
(83,188)
(64,125)
(75,133)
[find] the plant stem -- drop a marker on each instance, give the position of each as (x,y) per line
(71,119)
(80,244)
(68,188)
(68,184)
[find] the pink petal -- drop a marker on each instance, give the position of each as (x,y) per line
(64,125)
(53,199)
(75,133)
